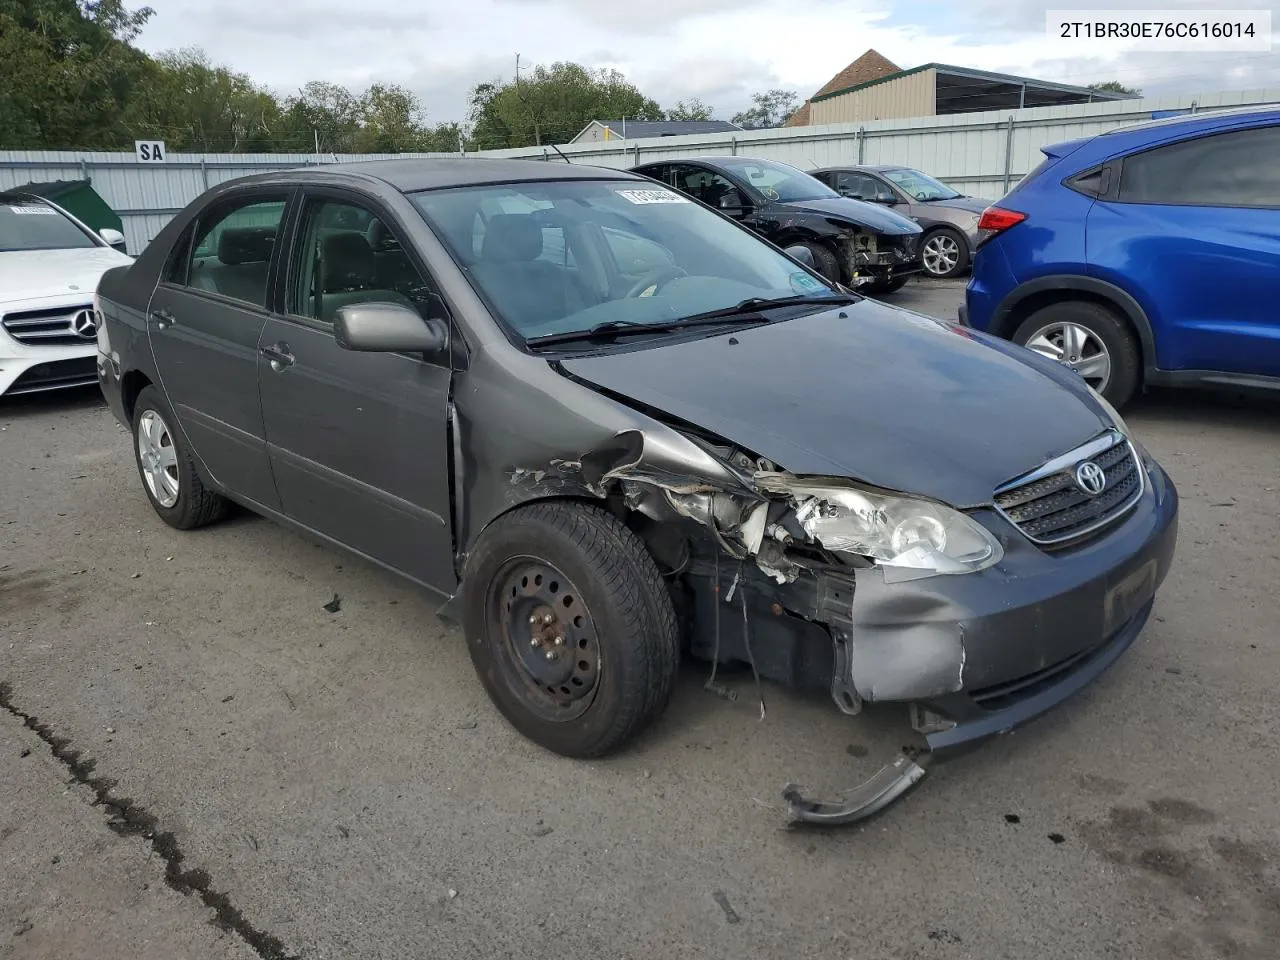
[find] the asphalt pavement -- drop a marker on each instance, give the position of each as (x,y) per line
(199,759)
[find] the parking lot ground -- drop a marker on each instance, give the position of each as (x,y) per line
(304,783)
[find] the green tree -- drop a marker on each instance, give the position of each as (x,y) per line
(691,109)
(552,104)
(1115,86)
(68,71)
(194,105)
(768,109)
(323,116)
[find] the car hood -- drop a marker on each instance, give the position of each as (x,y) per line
(974,205)
(861,213)
(44,274)
(867,392)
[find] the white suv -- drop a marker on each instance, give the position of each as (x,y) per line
(50,264)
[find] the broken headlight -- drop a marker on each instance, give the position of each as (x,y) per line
(908,537)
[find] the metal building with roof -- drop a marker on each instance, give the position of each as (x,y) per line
(598,130)
(873,88)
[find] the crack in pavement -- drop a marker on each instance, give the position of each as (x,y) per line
(129,819)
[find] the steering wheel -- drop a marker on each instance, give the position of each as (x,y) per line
(656,278)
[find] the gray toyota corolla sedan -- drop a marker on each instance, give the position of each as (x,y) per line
(611,427)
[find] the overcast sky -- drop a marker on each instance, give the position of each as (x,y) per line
(719,50)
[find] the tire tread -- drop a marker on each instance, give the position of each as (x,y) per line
(631,576)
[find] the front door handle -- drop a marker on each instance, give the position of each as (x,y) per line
(162,318)
(278,356)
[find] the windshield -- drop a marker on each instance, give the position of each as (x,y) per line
(559,257)
(919,185)
(30,224)
(777,181)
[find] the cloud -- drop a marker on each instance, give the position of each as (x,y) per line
(719,50)
(652,17)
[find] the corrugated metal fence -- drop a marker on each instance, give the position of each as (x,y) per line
(981,154)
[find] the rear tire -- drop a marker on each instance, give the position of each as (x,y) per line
(1090,339)
(168,473)
(824,261)
(570,627)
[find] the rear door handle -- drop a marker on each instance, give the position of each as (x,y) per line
(162,318)
(278,356)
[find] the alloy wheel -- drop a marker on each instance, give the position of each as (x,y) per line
(1077,347)
(158,458)
(941,254)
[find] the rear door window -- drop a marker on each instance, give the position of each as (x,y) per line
(1236,169)
(233,247)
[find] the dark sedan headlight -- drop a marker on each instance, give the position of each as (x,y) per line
(907,536)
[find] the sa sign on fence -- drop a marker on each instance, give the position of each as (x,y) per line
(149,151)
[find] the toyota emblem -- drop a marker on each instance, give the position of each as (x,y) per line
(1091,478)
(85,325)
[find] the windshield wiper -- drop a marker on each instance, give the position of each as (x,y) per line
(745,311)
(603,331)
(753,305)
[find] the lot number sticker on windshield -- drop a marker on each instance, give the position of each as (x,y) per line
(28,211)
(803,283)
(653,196)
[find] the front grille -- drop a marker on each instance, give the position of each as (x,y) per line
(1052,508)
(51,327)
(56,375)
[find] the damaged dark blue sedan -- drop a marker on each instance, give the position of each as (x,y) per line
(611,427)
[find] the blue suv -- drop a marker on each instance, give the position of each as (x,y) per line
(1146,255)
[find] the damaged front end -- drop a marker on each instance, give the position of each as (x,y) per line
(786,552)
(873,256)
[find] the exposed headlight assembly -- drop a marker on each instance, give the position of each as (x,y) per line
(907,537)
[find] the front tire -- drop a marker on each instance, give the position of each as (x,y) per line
(570,627)
(944,254)
(878,287)
(824,261)
(167,471)
(1090,339)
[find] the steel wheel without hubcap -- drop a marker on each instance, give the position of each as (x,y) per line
(549,638)
(941,254)
(1076,347)
(158,458)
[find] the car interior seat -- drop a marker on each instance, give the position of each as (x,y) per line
(528,291)
(244,256)
(349,274)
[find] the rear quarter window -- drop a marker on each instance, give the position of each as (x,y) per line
(1240,168)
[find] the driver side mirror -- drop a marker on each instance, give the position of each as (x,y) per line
(731,204)
(801,253)
(114,239)
(387,328)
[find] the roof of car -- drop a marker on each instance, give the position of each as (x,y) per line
(878,167)
(410,175)
(712,161)
(1203,117)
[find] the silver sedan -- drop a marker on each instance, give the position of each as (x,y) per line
(949,219)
